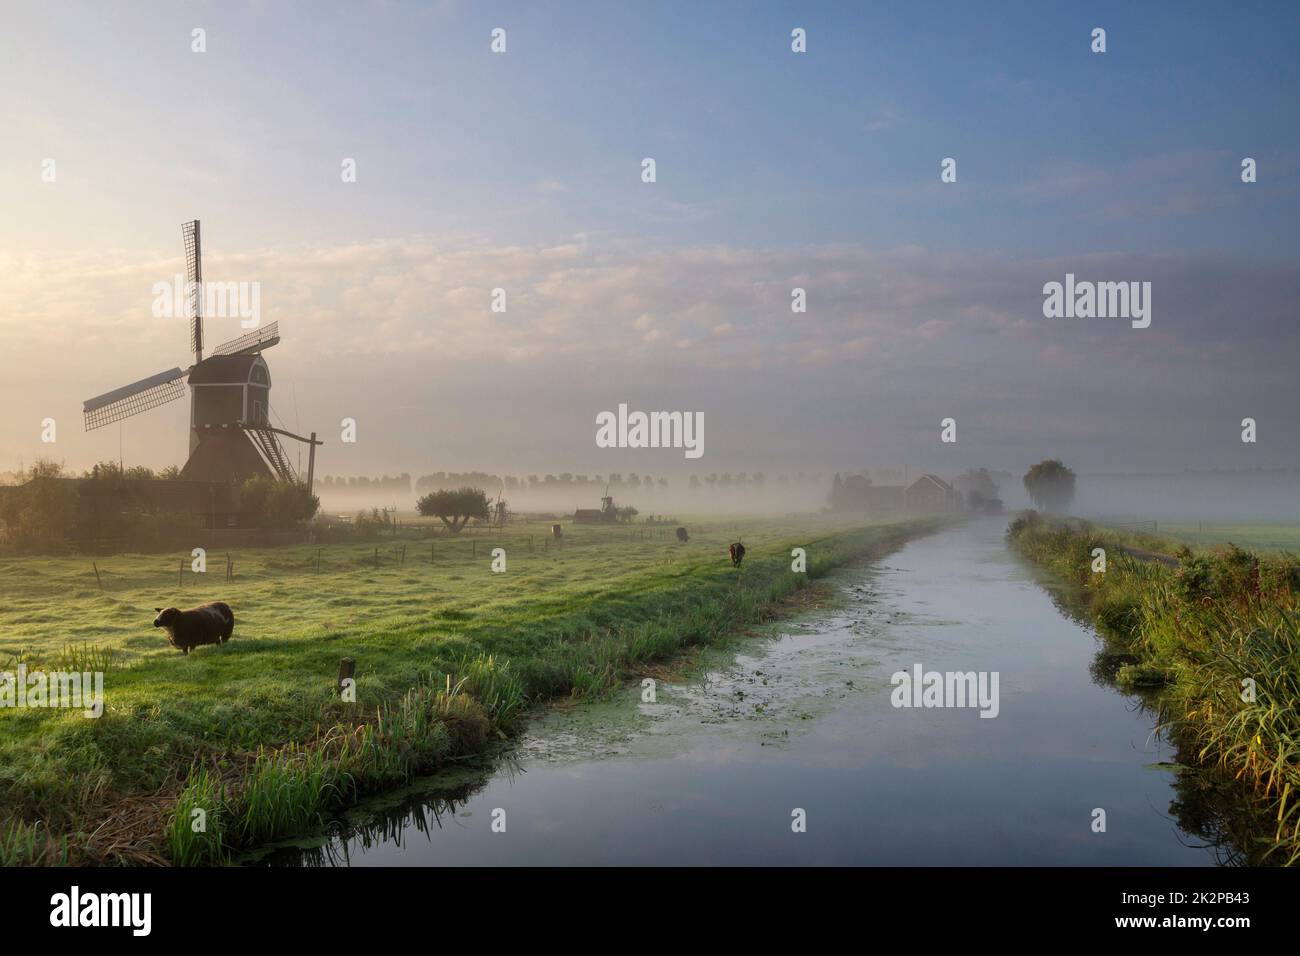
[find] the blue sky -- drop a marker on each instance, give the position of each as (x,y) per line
(774,169)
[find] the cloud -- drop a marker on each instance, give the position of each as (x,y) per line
(1185,182)
(636,302)
(885,119)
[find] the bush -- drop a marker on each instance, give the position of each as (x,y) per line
(372,525)
(277,504)
(39,514)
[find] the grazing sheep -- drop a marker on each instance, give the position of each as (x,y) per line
(682,536)
(737,554)
(205,624)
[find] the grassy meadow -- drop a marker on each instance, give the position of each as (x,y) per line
(1168,536)
(448,657)
(1255,537)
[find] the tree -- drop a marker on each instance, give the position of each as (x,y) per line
(977,482)
(455,508)
(1050,484)
(40,513)
(277,504)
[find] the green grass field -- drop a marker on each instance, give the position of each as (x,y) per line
(1168,536)
(473,646)
(1253,537)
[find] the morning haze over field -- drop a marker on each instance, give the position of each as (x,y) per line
(693,434)
(523,172)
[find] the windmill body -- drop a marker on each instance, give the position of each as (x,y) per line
(231,436)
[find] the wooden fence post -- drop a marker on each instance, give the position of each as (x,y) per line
(347,671)
(97,578)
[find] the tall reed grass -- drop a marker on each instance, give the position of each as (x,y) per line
(1220,632)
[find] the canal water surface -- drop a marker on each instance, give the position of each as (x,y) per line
(717,768)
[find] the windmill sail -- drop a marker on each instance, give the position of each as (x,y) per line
(194,285)
(255,341)
(133,399)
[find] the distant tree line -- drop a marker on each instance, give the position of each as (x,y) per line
(493,483)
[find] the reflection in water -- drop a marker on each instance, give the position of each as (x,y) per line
(709,772)
(425,809)
(1220,813)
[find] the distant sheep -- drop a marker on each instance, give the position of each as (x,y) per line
(737,554)
(206,624)
(682,536)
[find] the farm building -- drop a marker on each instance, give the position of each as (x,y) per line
(931,493)
(606,515)
(857,493)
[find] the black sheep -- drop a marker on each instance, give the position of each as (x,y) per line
(737,554)
(205,624)
(682,536)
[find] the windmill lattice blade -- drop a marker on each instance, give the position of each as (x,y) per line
(133,399)
(254,341)
(194,283)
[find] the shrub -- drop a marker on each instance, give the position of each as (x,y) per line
(277,504)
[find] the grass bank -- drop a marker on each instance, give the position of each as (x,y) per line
(1217,636)
(236,745)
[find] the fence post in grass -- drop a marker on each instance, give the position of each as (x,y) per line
(376,556)
(403,555)
(318,560)
(98,580)
(347,670)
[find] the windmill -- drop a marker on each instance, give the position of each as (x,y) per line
(231,437)
(499,512)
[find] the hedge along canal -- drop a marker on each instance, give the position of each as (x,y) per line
(795,727)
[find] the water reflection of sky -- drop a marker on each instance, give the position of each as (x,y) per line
(710,773)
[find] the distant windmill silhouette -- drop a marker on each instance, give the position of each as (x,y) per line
(230,397)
